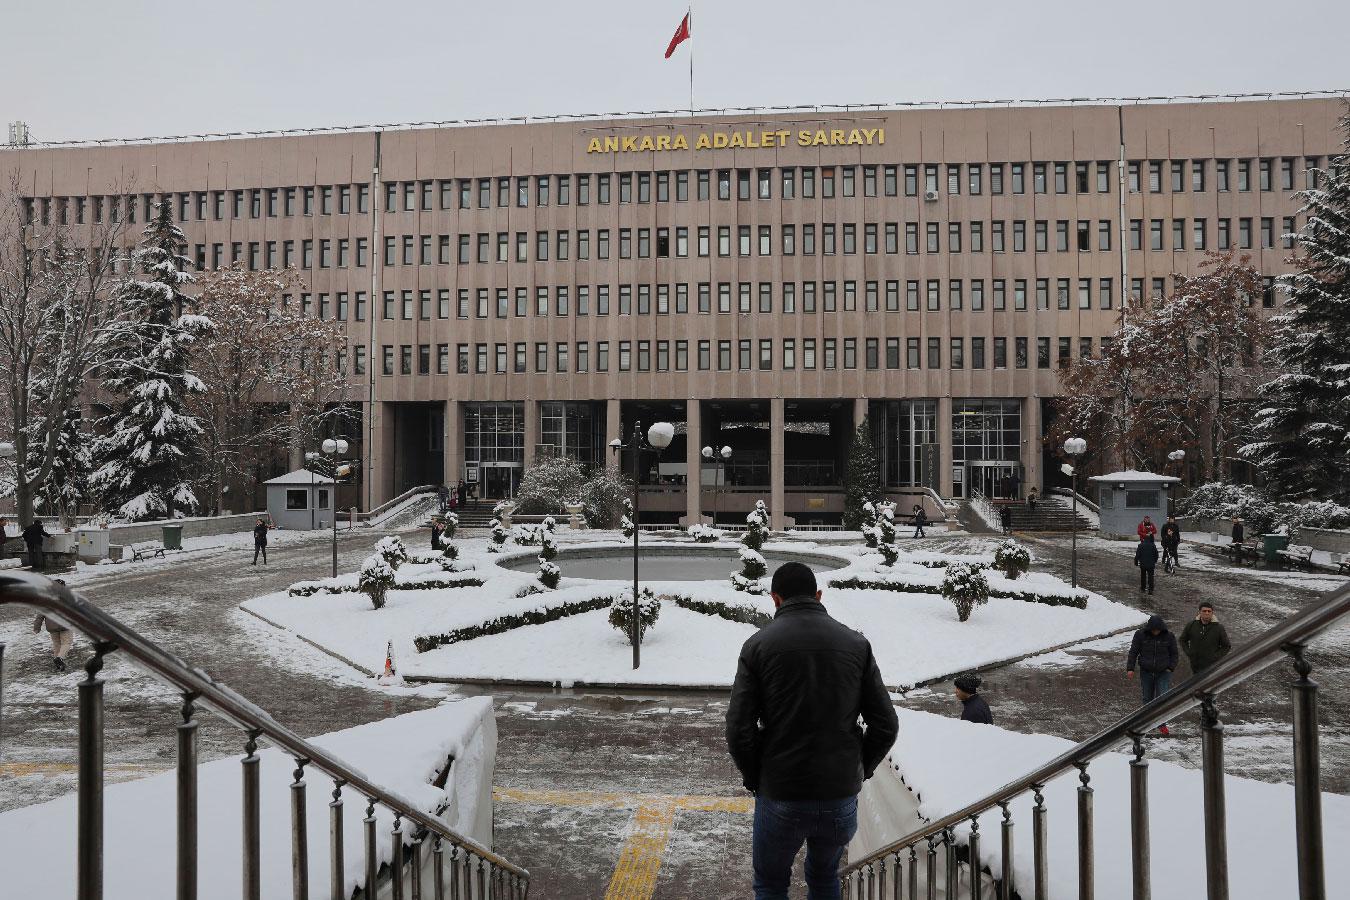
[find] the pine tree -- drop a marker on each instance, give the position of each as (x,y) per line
(1302,444)
(862,478)
(144,459)
(67,485)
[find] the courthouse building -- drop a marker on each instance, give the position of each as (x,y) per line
(762,280)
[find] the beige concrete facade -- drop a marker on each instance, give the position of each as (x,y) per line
(390,212)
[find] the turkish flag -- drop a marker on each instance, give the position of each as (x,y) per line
(681,35)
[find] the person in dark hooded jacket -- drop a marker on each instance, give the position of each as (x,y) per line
(1146,558)
(973,707)
(1154,652)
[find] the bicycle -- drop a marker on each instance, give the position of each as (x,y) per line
(1169,562)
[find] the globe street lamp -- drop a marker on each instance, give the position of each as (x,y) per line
(1175,456)
(336,448)
(659,437)
(1074,447)
(720,458)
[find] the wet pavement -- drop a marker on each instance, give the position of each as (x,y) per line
(603,793)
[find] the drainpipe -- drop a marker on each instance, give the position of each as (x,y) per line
(375,260)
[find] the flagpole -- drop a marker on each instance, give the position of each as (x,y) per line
(691,57)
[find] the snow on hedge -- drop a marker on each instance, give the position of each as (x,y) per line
(401,754)
(950,764)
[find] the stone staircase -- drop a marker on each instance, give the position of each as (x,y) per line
(1051,514)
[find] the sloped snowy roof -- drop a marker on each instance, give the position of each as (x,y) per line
(300,476)
(1133,475)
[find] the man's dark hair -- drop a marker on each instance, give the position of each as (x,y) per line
(1207,605)
(794,579)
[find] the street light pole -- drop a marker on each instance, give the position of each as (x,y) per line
(333,448)
(1074,447)
(720,460)
(1175,456)
(659,437)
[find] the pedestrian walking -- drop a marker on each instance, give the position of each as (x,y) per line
(260,541)
(33,536)
(1005,517)
(1146,558)
(1171,539)
(443,498)
(1204,640)
(1016,481)
(1146,529)
(1032,497)
(437,529)
(920,520)
(463,493)
(1239,532)
(973,706)
(61,637)
(802,682)
(1154,651)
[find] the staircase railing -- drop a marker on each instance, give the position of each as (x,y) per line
(902,859)
(472,871)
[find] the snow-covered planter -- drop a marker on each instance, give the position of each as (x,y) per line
(753,568)
(756,526)
(626,523)
(648,611)
(548,574)
(497,539)
(704,534)
(376,578)
(966,587)
(888,554)
(392,551)
(1012,559)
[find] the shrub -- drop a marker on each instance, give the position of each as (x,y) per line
(529,589)
(548,574)
(966,587)
(888,553)
(548,550)
(376,578)
(549,484)
(890,583)
(704,534)
(527,535)
(753,568)
(536,616)
(733,612)
(648,611)
(626,523)
(497,539)
(1012,559)
(756,527)
(450,552)
(885,523)
(392,551)
(451,525)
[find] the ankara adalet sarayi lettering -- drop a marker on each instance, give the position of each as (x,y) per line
(750,140)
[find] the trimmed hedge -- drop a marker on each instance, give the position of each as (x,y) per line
(538,616)
(310,588)
(1077,601)
(732,612)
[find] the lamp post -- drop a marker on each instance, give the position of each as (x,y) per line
(1074,447)
(721,458)
(1175,456)
(335,448)
(659,437)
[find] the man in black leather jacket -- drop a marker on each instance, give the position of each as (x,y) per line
(802,682)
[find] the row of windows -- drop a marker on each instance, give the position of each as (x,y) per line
(742,297)
(723,355)
(957,237)
(1155,176)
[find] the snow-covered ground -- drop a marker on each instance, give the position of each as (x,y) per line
(401,754)
(1197,560)
(950,764)
(915,636)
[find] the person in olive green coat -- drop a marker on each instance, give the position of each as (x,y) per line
(1204,640)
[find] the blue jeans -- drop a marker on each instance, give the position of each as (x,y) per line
(781,826)
(1154,684)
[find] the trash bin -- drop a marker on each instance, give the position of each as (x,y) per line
(1272,544)
(173,537)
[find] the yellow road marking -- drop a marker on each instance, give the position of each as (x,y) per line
(653,820)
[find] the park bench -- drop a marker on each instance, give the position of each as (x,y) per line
(1243,551)
(1298,555)
(1343,564)
(145,550)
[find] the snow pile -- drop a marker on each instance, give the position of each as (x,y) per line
(949,764)
(401,754)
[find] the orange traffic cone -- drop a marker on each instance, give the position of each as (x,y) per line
(389,673)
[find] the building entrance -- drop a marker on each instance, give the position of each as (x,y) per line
(499,482)
(995,480)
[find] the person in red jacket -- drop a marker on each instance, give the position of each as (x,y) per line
(1147,528)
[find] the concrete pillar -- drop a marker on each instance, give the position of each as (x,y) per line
(383,456)
(453,442)
(531,430)
(859,413)
(777,423)
(944,434)
(693,460)
(1031,443)
(613,425)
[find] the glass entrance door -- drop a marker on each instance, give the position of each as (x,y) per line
(995,480)
(500,482)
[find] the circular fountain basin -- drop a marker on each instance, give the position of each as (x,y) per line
(689,563)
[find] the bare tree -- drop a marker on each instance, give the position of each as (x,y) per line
(54,281)
(272,374)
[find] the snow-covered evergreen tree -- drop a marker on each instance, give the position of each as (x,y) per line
(144,458)
(862,478)
(67,485)
(1302,431)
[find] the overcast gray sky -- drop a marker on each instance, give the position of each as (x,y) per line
(133,68)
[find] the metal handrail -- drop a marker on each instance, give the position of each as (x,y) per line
(72,610)
(1070,492)
(1237,666)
